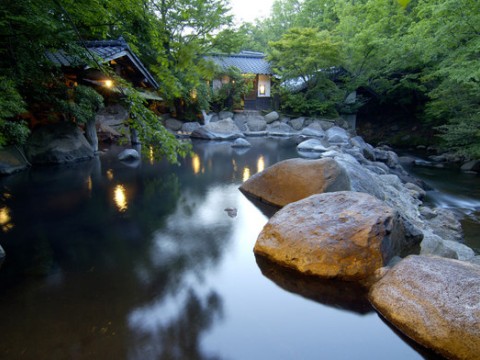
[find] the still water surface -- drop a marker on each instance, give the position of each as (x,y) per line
(109,261)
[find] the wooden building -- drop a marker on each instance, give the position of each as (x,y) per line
(249,63)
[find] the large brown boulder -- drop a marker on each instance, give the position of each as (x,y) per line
(294,179)
(345,235)
(435,301)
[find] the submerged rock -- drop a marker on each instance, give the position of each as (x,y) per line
(345,235)
(129,155)
(434,301)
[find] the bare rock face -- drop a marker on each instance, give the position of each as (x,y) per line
(344,235)
(220,130)
(57,144)
(435,301)
(294,179)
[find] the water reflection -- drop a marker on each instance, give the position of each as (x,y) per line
(338,294)
(120,198)
(246,174)
(196,165)
(261,164)
(6,223)
(173,277)
(109,174)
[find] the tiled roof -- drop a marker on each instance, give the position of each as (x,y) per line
(248,62)
(105,50)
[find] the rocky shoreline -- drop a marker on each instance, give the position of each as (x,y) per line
(346,211)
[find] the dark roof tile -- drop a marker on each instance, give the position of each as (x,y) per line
(248,62)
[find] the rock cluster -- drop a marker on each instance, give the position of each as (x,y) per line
(352,213)
(227,125)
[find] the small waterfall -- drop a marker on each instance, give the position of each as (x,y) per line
(206,117)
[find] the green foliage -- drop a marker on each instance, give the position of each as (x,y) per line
(12,130)
(170,36)
(417,57)
(295,57)
(78,104)
(152,133)
(229,95)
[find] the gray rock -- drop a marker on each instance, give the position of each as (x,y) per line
(224,126)
(189,127)
(297,124)
(462,251)
(416,191)
(315,145)
(435,302)
(202,133)
(112,116)
(271,117)
(241,143)
(240,120)
(473,165)
(337,135)
(222,115)
(12,160)
(406,160)
(446,225)
(367,150)
(314,130)
(321,234)
(57,144)
(219,130)
(213,118)
(326,124)
(173,124)
(427,212)
(280,129)
(433,245)
(475,260)
(256,124)
(129,155)
(378,167)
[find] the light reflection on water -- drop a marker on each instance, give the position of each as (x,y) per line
(170,277)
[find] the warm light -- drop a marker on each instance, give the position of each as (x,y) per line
(151,155)
(89,184)
(196,164)
(262,89)
(246,174)
(193,94)
(110,174)
(108,83)
(120,198)
(260,164)
(5,219)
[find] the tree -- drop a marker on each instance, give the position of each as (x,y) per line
(305,60)
(170,35)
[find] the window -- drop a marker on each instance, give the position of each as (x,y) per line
(263,86)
